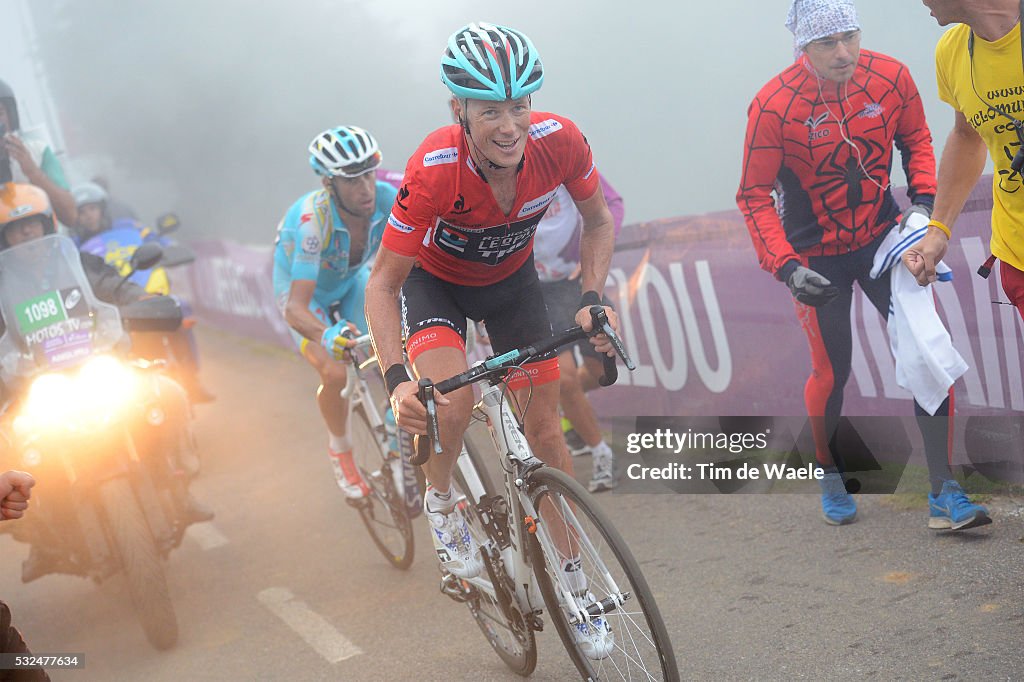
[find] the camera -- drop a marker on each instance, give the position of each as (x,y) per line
(5,160)
(1017,163)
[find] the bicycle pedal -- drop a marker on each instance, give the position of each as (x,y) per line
(535,622)
(358,503)
(454,588)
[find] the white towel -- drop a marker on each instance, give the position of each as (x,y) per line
(927,364)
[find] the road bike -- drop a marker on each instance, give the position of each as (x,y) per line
(545,542)
(394,497)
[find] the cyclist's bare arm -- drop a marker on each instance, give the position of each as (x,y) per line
(383,289)
(597,243)
(296,311)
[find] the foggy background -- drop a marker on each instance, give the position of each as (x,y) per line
(207,106)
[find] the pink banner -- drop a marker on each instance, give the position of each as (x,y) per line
(711,332)
(230,286)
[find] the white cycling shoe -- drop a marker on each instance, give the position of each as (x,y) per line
(456,549)
(346,473)
(595,639)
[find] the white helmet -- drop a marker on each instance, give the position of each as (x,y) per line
(88,193)
(346,151)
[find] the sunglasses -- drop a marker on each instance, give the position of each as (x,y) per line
(356,169)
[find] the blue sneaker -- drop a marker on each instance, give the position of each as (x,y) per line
(951,509)
(837,505)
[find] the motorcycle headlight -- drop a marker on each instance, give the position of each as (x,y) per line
(107,382)
(97,391)
(50,395)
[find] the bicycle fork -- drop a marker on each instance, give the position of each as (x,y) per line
(576,611)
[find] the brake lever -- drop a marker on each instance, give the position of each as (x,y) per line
(423,444)
(350,385)
(599,319)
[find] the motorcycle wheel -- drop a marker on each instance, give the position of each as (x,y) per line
(140,562)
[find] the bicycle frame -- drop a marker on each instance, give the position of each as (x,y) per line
(357,392)
(518,461)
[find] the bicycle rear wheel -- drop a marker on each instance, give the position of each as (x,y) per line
(626,637)
(383,509)
(506,629)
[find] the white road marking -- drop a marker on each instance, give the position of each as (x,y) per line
(207,535)
(308,624)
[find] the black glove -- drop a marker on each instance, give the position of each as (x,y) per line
(916,208)
(810,288)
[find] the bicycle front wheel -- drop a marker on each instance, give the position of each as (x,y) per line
(506,628)
(383,509)
(595,593)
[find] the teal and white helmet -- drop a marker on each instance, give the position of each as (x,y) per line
(487,61)
(346,151)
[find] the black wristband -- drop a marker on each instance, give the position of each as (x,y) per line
(590,298)
(396,374)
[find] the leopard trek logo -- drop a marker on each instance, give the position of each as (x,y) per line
(489,245)
(453,240)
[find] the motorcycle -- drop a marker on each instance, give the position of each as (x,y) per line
(101,433)
(116,246)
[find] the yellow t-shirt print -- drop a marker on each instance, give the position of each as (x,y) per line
(999,80)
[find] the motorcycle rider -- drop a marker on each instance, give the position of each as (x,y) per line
(94,218)
(25,214)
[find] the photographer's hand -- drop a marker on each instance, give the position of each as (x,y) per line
(20,153)
(60,198)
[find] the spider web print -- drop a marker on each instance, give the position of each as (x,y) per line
(795,148)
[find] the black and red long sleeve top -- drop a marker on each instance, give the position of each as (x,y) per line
(825,150)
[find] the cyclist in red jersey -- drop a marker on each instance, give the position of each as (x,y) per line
(459,245)
(820,136)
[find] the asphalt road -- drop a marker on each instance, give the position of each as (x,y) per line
(285,584)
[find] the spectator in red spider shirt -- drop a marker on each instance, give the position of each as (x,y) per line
(820,138)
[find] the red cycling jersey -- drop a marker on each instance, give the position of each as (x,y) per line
(795,147)
(445,213)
